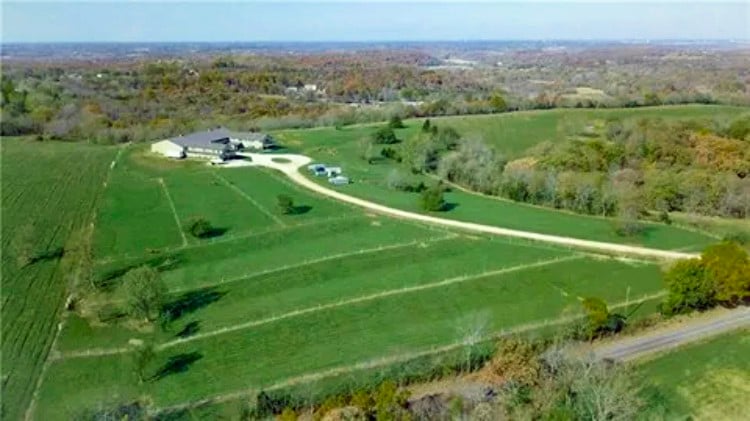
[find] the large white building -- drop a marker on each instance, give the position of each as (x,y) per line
(219,143)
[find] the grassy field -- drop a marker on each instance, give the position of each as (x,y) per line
(256,334)
(510,134)
(276,297)
(272,299)
(48,190)
(709,381)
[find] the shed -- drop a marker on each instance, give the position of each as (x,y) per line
(339,180)
(169,149)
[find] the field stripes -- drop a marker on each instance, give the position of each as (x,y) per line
(228,239)
(390,360)
(304,263)
(174,211)
(249,199)
(329,306)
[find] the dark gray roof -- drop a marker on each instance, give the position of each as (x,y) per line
(210,139)
(261,137)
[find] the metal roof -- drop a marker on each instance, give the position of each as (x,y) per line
(210,139)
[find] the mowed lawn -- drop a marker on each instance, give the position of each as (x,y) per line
(705,381)
(148,204)
(255,332)
(49,190)
(510,134)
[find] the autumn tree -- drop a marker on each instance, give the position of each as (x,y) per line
(727,267)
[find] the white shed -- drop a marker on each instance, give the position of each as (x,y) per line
(169,149)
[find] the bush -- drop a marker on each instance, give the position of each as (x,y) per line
(431,199)
(199,227)
(689,288)
(396,123)
(385,136)
(285,204)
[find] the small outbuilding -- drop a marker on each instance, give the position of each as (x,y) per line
(333,171)
(169,148)
(339,180)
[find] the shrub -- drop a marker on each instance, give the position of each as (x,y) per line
(199,227)
(385,136)
(689,288)
(285,204)
(396,123)
(145,293)
(431,199)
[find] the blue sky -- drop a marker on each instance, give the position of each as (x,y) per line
(64,21)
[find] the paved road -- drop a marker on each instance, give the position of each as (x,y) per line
(636,347)
(292,163)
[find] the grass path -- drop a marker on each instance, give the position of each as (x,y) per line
(387,360)
(328,306)
(174,212)
(310,262)
(248,198)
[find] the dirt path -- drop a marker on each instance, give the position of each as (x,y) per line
(294,162)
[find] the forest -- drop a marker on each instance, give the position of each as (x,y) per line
(114,99)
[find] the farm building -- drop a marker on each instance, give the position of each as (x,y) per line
(339,180)
(219,143)
(333,171)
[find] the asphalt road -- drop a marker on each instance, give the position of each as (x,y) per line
(636,347)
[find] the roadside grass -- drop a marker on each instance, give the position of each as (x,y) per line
(422,319)
(709,380)
(51,189)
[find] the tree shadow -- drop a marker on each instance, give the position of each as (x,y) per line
(191,301)
(447,207)
(214,232)
(53,254)
(300,210)
(108,280)
(179,363)
(190,329)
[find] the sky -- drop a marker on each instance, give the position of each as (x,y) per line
(216,21)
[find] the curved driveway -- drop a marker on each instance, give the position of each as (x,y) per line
(293,163)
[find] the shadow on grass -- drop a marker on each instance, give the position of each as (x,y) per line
(213,233)
(447,207)
(300,210)
(109,280)
(191,301)
(53,254)
(190,329)
(179,363)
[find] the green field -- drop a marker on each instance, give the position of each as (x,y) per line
(271,298)
(48,190)
(709,380)
(510,134)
